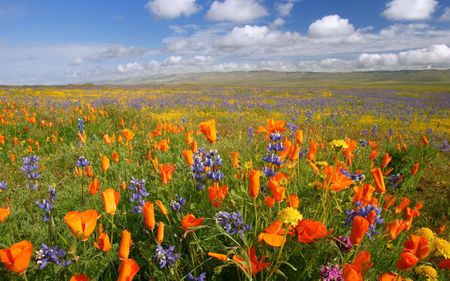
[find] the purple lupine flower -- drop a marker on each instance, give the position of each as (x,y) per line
(445,147)
(201,277)
(292,129)
(138,194)
(203,159)
(165,258)
(303,153)
(268,172)
(46,255)
(354,177)
(82,162)
(233,223)
(363,143)
(177,203)
(309,115)
(47,205)
(394,179)
(331,273)
(80,125)
(3,185)
(251,133)
(344,244)
(364,211)
(276,136)
(30,167)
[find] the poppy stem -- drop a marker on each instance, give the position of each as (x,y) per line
(256,216)
(112,229)
(25,276)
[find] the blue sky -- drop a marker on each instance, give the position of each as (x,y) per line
(73,41)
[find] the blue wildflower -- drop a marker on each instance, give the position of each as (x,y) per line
(165,258)
(177,203)
(82,162)
(233,223)
(364,211)
(354,177)
(80,125)
(3,185)
(201,277)
(138,194)
(47,255)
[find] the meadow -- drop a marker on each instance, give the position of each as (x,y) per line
(201,182)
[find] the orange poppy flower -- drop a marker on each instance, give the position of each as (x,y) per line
(335,180)
(403,204)
(189,137)
(105,163)
(425,140)
(125,244)
(273,234)
(128,268)
(313,166)
(160,233)
(115,156)
(217,194)
(444,264)
(355,270)
(79,277)
(218,256)
(194,146)
(412,213)
(128,134)
(359,229)
(123,186)
(17,257)
(82,224)
(418,246)
(389,201)
(103,243)
(379,180)
(390,276)
(88,171)
(107,139)
(256,264)
(161,207)
(272,127)
(78,172)
(149,215)
(414,169)
(254,183)
(4,213)
(299,137)
(208,128)
(94,186)
(394,228)
(235,159)
(275,186)
(373,155)
(82,137)
(293,201)
(189,221)
(166,171)
(269,201)
(309,230)
(188,156)
(348,152)
(311,156)
(386,159)
(110,199)
(407,260)
(364,194)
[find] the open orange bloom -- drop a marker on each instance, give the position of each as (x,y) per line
(107,139)
(355,270)
(335,180)
(166,171)
(235,159)
(217,194)
(273,234)
(79,277)
(149,215)
(379,180)
(103,243)
(309,230)
(188,156)
(105,163)
(128,135)
(4,213)
(364,194)
(275,186)
(407,260)
(125,244)
(359,229)
(348,153)
(208,128)
(403,204)
(390,276)
(128,268)
(293,201)
(256,264)
(110,199)
(160,233)
(412,213)
(389,201)
(82,224)
(269,201)
(418,246)
(272,127)
(254,183)
(17,257)
(311,156)
(394,228)
(189,221)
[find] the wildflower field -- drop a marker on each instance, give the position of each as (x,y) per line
(223,183)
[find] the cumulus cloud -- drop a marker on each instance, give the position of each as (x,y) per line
(446,15)
(410,9)
(117,51)
(236,10)
(251,35)
(77,61)
(284,8)
(130,67)
(169,9)
(330,26)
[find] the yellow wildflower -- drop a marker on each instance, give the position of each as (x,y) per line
(427,271)
(425,231)
(339,144)
(290,216)
(442,247)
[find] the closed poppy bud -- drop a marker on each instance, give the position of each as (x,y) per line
(269,201)
(378,180)
(299,137)
(311,156)
(125,244)
(88,171)
(79,277)
(406,261)
(386,159)
(115,156)
(82,224)
(4,213)
(188,156)
(103,243)
(94,186)
(127,270)
(105,163)
(414,169)
(12,157)
(425,140)
(17,257)
(218,256)
(160,233)
(161,207)
(208,128)
(110,199)
(254,183)
(359,229)
(123,186)
(107,139)
(194,146)
(293,201)
(148,211)
(119,139)
(78,172)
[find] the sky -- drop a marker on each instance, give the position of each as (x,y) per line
(78,41)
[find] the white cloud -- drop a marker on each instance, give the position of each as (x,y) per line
(117,51)
(173,60)
(284,8)
(410,9)
(77,61)
(446,15)
(236,10)
(278,22)
(169,9)
(251,35)
(331,26)
(130,67)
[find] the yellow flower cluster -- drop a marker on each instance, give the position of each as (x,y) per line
(427,271)
(339,144)
(290,216)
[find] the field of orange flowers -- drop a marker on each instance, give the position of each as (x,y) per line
(102,183)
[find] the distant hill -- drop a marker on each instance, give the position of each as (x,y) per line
(273,78)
